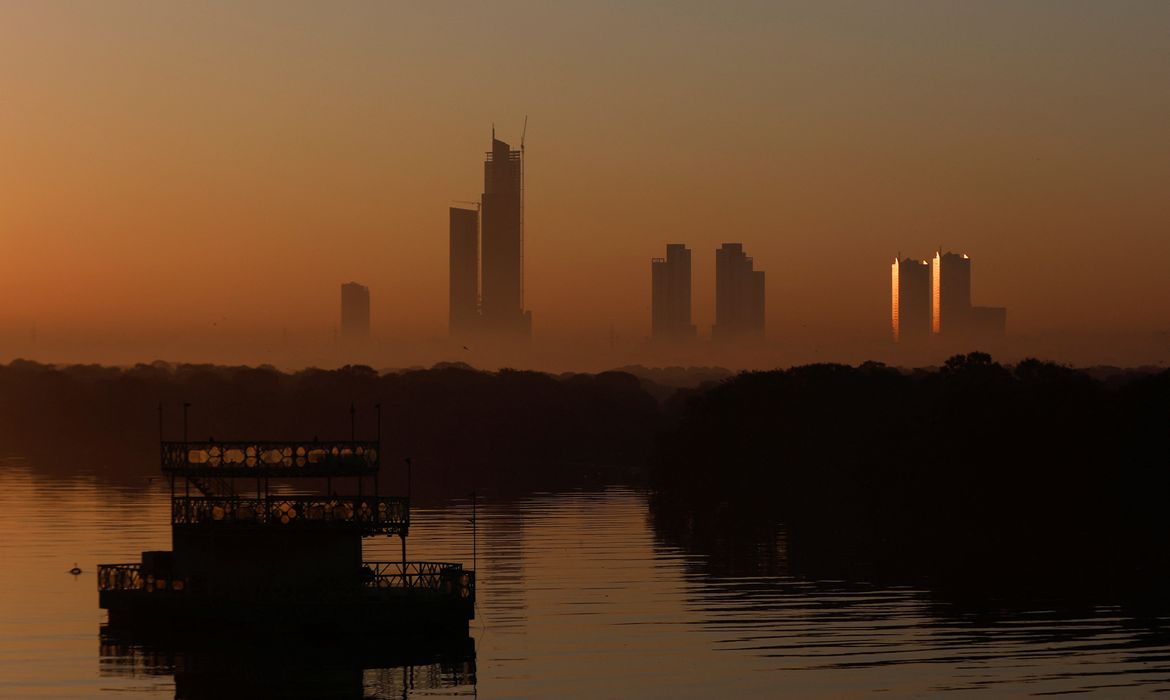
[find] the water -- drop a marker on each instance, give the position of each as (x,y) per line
(579,598)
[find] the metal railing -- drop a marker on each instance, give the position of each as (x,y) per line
(287,455)
(129,577)
(389,514)
(438,577)
(441,577)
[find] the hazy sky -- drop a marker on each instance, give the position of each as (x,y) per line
(168,166)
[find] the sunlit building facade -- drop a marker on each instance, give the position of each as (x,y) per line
(950,293)
(670,294)
(910,300)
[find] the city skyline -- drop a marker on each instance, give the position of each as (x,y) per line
(380,349)
(329,150)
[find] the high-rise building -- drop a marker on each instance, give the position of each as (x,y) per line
(910,306)
(463,310)
(739,294)
(950,293)
(502,293)
(355,311)
(670,294)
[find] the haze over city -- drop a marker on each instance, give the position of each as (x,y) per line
(521,349)
(195,183)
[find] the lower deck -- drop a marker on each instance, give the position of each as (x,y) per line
(391,597)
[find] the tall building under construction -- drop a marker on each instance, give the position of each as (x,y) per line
(502,301)
(670,294)
(500,252)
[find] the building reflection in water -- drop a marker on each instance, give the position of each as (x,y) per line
(262,666)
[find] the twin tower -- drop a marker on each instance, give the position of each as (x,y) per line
(739,295)
(487,253)
(934,299)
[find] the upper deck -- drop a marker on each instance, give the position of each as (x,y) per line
(284,458)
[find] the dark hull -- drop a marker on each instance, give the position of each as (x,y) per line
(390,613)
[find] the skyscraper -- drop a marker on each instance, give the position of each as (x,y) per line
(355,311)
(670,294)
(950,293)
(502,294)
(910,305)
(463,310)
(739,294)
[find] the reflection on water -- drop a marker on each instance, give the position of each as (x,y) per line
(579,596)
(216,668)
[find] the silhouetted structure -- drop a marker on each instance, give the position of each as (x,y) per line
(502,294)
(670,294)
(268,559)
(910,306)
(464,274)
(950,293)
(355,311)
(952,314)
(739,294)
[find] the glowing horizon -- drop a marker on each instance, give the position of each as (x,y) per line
(175,171)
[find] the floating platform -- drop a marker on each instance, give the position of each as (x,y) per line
(278,560)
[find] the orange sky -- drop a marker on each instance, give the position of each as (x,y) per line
(167,171)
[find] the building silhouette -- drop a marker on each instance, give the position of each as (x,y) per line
(950,293)
(910,300)
(952,314)
(355,311)
(463,310)
(670,294)
(502,281)
(739,294)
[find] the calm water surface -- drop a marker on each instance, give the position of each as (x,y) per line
(578,598)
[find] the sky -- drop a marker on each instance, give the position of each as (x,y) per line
(177,178)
